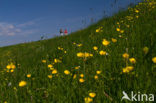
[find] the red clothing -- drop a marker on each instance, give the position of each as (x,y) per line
(65,32)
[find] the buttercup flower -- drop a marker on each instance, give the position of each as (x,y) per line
(105,42)
(114,40)
(54,71)
(92,95)
(81,80)
(67,72)
(50,76)
(88,100)
(154,60)
(132,60)
(102,52)
(95,48)
(22,83)
(125,55)
(28,75)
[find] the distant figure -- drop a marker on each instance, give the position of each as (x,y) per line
(61,32)
(65,32)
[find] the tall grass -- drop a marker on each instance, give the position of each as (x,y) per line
(139,32)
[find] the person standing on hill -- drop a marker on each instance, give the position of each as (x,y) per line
(61,32)
(65,32)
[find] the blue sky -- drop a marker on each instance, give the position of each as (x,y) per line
(28,20)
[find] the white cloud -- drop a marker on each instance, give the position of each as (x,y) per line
(9,29)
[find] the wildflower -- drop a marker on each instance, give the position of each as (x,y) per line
(117,29)
(80,54)
(81,75)
(114,40)
(67,72)
(92,95)
(50,76)
(145,49)
(88,100)
(43,61)
(12,70)
(57,61)
(79,45)
(54,71)
(13,66)
(128,69)
(28,75)
(95,48)
(154,60)
(95,77)
(22,83)
(105,42)
(50,66)
(65,52)
(74,76)
(8,67)
(102,52)
(125,55)
(77,67)
(81,80)
(137,16)
(98,72)
(97,30)
(122,31)
(137,11)
(132,60)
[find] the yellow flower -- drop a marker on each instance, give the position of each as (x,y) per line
(79,45)
(86,54)
(98,72)
(114,40)
(154,60)
(97,30)
(102,52)
(77,67)
(8,67)
(145,49)
(117,29)
(105,42)
(74,76)
(137,16)
(132,60)
(50,76)
(92,95)
(125,55)
(28,75)
(50,66)
(12,70)
(67,72)
(95,77)
(88,100)
(54,71)
(128,69)
(43,61)
(12,66)
(80,54)
(122,31)
(137,11)
(22,83)
(95,48)
(81,75)
(81,80)
(57,61)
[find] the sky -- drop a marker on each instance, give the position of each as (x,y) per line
(28,20)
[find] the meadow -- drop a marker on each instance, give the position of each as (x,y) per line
(94,65)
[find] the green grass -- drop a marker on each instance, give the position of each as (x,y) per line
(111,82)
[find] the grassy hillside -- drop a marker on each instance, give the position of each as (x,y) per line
(92,65)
